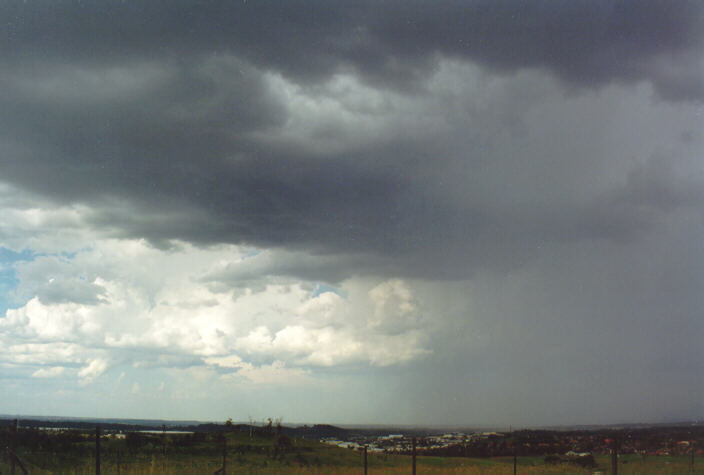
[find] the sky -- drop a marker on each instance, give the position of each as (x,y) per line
(399,212)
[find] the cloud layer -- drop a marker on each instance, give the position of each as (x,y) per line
(443,202)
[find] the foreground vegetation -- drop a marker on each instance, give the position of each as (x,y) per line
(267,452)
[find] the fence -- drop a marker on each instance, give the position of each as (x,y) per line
(118,461)
(114,455)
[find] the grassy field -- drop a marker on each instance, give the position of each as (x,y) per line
(261,455)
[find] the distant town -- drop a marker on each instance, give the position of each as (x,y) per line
(646,441)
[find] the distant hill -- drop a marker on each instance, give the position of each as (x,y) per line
(90,423)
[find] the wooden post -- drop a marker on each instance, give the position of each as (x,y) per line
(13,444)
(413,454)
(514,458)
(614,457)
(118,461)
(365,460)
(97,450)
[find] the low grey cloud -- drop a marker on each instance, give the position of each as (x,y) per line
(76,291)
(419,199)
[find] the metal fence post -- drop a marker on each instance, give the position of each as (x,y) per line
(163,439)
(224,454)
(691,456)
(413,453)
(97,450)
(13,444)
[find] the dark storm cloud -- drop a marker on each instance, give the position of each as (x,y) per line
(584,42)
(158,115)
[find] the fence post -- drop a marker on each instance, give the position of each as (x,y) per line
(413,454)
(97,450)
(163,439)
(614,457)
(691,456)
(224,454)
(365,460)
(13,444)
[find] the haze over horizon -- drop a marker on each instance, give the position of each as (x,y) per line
(414,213)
